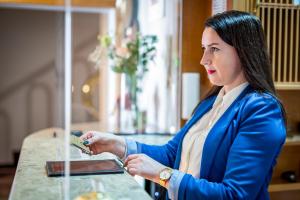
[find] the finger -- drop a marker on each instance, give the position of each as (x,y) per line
(96,149)
(131,157)
(90,141)
(132,161)
(86,135)
(93,150)
(132,170)
(126,161)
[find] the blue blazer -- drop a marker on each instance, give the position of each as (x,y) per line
(239,152)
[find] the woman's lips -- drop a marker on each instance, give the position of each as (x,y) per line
(210,71)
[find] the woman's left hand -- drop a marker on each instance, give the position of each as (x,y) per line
(143,165)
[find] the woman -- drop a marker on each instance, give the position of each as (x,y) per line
(228,148)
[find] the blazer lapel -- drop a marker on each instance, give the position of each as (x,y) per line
(217,133)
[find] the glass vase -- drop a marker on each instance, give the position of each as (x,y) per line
(137,117)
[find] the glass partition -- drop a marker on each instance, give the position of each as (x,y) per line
(105,97)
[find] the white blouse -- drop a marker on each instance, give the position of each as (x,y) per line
(193,141)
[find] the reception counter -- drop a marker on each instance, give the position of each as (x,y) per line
(31,181)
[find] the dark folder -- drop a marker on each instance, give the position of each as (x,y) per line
(84,167)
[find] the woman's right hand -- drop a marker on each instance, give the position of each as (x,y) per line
(100,142)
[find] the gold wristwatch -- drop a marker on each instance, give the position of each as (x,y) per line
(164,176)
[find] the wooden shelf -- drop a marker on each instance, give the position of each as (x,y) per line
(284,187)
(288,160)
(287,86)
(292,143)
(279,185)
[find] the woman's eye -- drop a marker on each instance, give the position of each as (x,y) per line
(214,49)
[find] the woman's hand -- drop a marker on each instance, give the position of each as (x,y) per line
(143,165)
(99,142)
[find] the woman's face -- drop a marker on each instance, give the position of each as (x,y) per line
(221,61)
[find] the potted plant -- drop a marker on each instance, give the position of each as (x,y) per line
(131,59)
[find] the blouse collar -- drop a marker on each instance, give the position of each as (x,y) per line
(229,97)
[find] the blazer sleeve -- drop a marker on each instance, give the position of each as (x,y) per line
(165,154)
(261,134)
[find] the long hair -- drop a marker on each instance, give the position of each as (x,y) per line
(244,32)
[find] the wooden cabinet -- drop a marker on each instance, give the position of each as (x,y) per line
(289,159)
(194,14)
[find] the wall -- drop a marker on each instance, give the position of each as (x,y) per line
(28,44)
(31,72)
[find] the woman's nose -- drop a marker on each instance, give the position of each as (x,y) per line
(205,60)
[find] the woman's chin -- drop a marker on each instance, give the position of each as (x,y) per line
(215,82)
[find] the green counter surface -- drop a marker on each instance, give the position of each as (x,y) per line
(31,181)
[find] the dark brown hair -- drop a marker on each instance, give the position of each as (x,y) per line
(244,32)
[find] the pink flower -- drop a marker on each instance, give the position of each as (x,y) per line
(122,51)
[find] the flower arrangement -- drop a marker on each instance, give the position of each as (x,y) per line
(132,59)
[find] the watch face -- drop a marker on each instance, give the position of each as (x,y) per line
(165,174)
